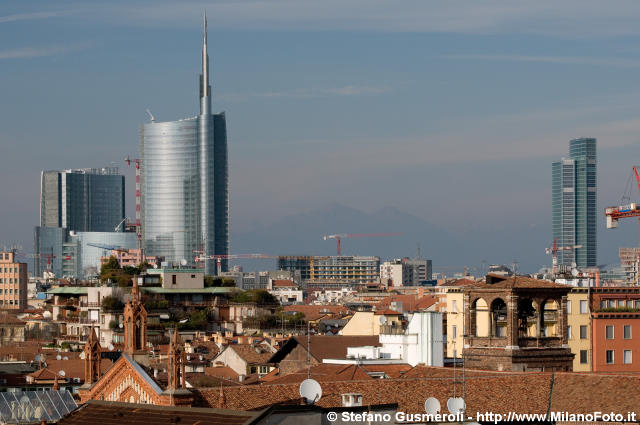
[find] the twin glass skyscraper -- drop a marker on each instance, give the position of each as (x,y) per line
(184,183)
(574,192)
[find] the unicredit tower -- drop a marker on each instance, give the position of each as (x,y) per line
(184,197)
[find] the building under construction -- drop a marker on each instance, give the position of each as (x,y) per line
(346,269)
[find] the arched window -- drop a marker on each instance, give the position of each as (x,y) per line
(549,319)
(498,318)
(527,318)
(479,318)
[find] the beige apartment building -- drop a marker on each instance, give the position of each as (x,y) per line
(579,328)
(13,282)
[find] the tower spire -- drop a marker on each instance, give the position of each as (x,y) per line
(205,88)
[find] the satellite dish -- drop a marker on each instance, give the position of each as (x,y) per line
(110,347)
(183,262)
(383,320)
(58,357)
(310,390)
(62,373)
(65,358)
(432,406)
(574,272)
(24,399)
(456,405)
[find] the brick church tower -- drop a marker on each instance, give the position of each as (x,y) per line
(135,324)
(516,324)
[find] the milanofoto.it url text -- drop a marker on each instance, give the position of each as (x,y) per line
(483,417)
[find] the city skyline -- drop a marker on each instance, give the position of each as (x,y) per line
(465,102)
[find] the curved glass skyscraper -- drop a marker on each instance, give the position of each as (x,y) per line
(184,183)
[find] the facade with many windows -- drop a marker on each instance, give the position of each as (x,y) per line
(579,328)
(574,190)
(13,282)
(615,320)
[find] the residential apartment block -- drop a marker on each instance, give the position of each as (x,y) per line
(579,328)
(13,282)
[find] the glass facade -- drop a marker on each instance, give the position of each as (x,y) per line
(184,183)
(170,196)
(84,200)
(48,249)
(574,209)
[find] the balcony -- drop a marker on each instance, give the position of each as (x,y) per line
(391,330)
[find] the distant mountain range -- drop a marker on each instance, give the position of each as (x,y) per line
(302,234)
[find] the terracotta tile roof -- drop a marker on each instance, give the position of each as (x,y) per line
(315,312)
(221,372)
(282,283)
(324,372)
(410,302)
(46,375)
(485,391)
(499,394)
(388,312)
(391,370)
(522,282)
(252,354)
(589,392)
(114,413)
(74,368)
(335,347)
(458,282)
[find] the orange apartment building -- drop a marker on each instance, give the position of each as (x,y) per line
(13,282)
(616,329)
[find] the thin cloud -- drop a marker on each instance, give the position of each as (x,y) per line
(569,18)
(310,93)
(34,15)
(37,52)
(563,60)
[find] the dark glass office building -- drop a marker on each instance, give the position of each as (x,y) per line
(574,204)
(184,183)
(84,200)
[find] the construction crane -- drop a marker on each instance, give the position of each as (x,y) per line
(219,258)
(109,247)
(340,236)
(553,250)
(630,209)
(127,161)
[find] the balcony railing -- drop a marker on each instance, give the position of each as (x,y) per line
(391,330)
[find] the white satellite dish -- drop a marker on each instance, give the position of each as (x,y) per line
(456,405)
(58,357)
(110,347)
(183,262)
(310,390)
(432,406)
(62,373)
(383,320)
(24,399)
(65,358)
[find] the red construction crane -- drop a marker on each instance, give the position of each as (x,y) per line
(339,237)
(221,257)
(554,252)
(614,214)
(127,161)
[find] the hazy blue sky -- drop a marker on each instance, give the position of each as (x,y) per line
(450,110)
